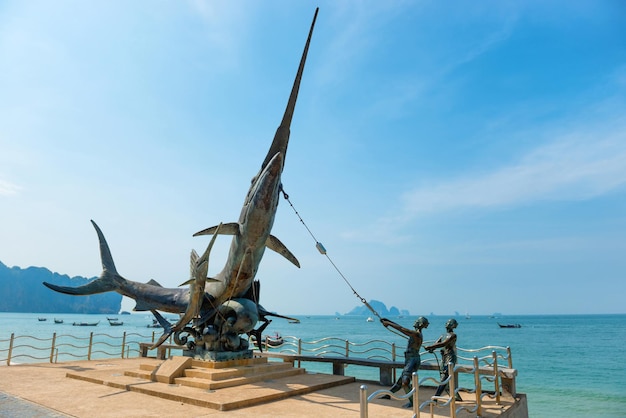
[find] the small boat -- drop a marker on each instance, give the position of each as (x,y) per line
(85,324)
(294,321)
(509,325)
(275,340)
(370,319)
(114,322)
(111,319)
(58,321)
(42,319)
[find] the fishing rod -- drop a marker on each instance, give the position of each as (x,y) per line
(323,251)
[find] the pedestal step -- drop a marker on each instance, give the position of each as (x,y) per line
(206,383)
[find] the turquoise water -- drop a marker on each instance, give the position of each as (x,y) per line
(568,365)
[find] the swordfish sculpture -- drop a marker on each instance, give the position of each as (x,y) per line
(229,305)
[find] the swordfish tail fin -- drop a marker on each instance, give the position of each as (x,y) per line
(108,280)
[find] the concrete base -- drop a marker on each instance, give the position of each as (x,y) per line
(199,353)
(224,385)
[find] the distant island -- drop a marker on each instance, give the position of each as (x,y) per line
(23,291)
(379,307)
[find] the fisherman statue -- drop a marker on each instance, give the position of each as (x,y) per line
(411,355)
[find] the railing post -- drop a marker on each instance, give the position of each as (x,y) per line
(416,397)
(508,353)
(10,349)
(299,350)
(54,339)
(478,388)
(90,342)
(123,343)
(496,376)
(363,401)
(347,348)
(452,386)
(393,358)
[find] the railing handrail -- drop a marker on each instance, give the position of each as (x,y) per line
(67,345)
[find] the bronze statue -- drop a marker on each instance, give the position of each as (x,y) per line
(447,343)
(223,308)
(411,355)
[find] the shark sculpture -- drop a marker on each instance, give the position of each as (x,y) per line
(229,305)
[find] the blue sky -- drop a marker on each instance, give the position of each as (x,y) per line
(451,156)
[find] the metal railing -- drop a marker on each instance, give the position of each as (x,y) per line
(379,349)
(65,347)
(434,401)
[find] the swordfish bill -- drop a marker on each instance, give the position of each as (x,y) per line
(251,235)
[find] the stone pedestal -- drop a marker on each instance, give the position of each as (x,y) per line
(199,353)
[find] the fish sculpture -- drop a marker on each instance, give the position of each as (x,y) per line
(229,305)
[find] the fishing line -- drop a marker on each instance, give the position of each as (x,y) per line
(323,251)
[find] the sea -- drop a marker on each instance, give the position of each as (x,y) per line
(568,365)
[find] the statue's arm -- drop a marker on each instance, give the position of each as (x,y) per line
(386,322)
(438,344)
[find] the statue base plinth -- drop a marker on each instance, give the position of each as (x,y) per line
(199,353)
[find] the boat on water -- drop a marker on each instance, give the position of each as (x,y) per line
(114,322)
(42,319)
(370,319)
(275,340)
(58,321)
(85,324)
(509,325)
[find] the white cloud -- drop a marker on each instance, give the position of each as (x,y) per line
(7,188)
(574,167)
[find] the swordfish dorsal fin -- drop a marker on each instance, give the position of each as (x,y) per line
(281,138)
(231,228)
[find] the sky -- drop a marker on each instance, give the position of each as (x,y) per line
(450,156)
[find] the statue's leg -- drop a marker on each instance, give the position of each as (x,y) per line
(396,387)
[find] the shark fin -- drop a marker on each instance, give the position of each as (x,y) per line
(153,282)
(167,328)
(275,244)
(231,228)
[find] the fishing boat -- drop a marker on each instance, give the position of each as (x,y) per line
(275,340)
(509,325)
(85,324)
(58,321)
(114,322)
(42,319)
